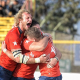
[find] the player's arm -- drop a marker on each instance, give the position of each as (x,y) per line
(58,54)
(42,59)
(18,57)
(40,45)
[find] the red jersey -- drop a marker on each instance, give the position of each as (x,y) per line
(13,41)
(27,71)
(44,70)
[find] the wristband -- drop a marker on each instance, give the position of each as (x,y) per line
(37,60)
(4,50)
(57,58)
(44,55)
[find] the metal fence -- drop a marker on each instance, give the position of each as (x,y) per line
(69,46)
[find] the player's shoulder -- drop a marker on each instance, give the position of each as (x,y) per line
(15,29)
(11,31)
(26,42)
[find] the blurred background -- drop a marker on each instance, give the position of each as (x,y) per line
(60,18)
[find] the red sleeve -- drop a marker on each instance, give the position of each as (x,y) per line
(15,41)
(27,43)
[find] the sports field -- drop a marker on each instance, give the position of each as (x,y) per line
(65,76)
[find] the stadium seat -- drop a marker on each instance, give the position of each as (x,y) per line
(5,25)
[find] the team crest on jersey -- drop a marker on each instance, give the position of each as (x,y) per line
(15,43)
(26,41)
(31,54)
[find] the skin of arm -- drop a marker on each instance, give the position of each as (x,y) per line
(42,58)
(58,53)
(39,46)
(30,61)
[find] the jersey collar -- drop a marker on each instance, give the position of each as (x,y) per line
(20,30)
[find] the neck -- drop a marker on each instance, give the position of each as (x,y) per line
(21,27)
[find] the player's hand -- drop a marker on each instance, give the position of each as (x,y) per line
(52,63)
(49,36)
(44,58)
(3,45)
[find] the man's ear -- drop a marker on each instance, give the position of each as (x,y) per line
(20,21)
(33,39)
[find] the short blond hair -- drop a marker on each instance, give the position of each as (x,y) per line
(33,32)
(18,16)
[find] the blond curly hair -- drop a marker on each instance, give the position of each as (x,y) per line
(18,16)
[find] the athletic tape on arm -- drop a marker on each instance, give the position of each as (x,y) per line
(23,58)
(16,53)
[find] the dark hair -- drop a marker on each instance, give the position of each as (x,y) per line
(34,22)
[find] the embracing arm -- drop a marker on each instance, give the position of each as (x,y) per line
(39,46)
(10,55)
(41,59)
(18,57)
(58,54)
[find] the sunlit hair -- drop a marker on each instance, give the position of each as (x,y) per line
(33,32)
(18,16)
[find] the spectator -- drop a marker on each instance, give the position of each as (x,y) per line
(8,2)
(3,8)
(7,5)
(21,1)
(15,7)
